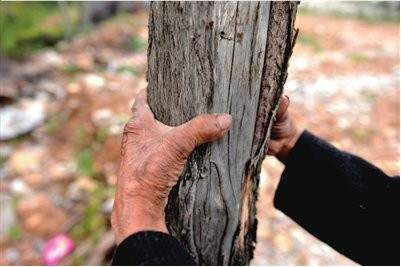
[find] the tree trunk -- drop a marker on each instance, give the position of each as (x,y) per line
(225,57)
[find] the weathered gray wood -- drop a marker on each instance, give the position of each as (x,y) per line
(228,57)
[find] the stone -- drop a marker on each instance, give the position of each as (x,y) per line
(85,61)
(21,118)
(12,254)
(101,116)
(19,187)
(59,171)
(94,81)
(111,179)
(40,217)
(5,150)
(8,216)
(51,88)
(63,202)
(51,57)
(117,124)
(26,160)
(3,172)
(107,205)
(38,245)
(74,88)
(86,183)
(81,185)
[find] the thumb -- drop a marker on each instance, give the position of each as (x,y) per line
(282,113)
(201,129)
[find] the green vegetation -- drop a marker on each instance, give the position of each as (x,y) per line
(127,19)
(26,27)
(54,122)
(368,96)
(15,141)
(92,223)
(77,260)
(138,43)
(358,57)
(15,232)
(2,160)
(102,133)
(130,69)
(85,162)
(389,18)
(124,117)
(361,133)
(84,152)
(310,40)
(29,26)
(134,43)
(71,69)
(82,139)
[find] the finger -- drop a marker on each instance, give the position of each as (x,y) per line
(140,107)
(140,100)
(201,129)
(282,109)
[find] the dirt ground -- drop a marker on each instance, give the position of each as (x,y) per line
(343,84)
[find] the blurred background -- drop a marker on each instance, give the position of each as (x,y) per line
(70,71)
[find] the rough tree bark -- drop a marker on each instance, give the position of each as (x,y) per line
(228,57)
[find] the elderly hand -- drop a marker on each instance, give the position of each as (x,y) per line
(284,133)
(153,157)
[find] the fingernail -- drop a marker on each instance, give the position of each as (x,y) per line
(286,96)
(224,121)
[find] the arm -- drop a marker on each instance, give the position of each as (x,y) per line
(341,199)
(153,157)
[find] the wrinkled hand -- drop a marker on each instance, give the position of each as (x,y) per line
(284,133)
(153,157)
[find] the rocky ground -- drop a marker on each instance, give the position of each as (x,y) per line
(68,106)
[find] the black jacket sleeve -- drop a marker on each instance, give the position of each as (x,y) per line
(151,248)
(343,200)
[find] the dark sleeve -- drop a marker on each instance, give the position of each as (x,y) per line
(151,248)
(343,200)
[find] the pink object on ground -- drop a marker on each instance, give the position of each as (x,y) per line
(57,248)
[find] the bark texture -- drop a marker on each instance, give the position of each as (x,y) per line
(226,57)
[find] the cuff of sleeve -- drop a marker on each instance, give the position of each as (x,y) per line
(305,166)
(306,142)
(151,248)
